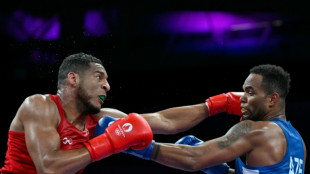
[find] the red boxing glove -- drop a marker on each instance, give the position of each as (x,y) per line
(229,103)
(132,131)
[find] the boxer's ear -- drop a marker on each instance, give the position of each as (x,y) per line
(73,79)
(273,99)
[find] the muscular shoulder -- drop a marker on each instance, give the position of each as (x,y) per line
(38,107)
(262,137)
(268,144)
(38,104)
(33,99)
(253,132)
(263,142)
(266,130)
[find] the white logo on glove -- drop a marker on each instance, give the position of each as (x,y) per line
(127,127)
(117,132)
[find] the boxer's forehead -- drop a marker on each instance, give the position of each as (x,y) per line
(96,67)
(253,81)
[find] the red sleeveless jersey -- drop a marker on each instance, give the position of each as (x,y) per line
(18,160)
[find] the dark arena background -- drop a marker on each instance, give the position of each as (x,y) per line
(158,54)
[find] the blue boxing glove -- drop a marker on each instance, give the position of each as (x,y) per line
(144,153)
(193,141)
(189,140)
(103,123)
(106,121)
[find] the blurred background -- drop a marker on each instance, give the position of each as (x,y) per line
(158,54)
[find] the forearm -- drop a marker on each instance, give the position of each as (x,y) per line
(191,158)
(178,156)
(64,161)
(177,119)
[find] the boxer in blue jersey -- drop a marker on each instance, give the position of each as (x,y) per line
(263,142)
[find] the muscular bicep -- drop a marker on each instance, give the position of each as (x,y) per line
(40,118)
(41,140)
(40,128)
(236,142)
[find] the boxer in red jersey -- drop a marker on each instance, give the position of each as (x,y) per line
(55,133)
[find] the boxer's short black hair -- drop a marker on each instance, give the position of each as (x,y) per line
(77,63)
(275,79)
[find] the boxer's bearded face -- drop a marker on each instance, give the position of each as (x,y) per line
(256,110)
(254,101)
(84,101)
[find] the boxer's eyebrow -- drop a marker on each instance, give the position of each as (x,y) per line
(102,73)
(248,88)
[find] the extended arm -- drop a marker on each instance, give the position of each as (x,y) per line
(147,152)
(179,119)
(235,143)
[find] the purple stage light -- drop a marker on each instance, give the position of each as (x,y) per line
(196,22)
(24,26)
(94,24)
(217,31)
(182,22)
(202,22)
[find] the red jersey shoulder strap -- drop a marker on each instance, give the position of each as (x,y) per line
(57,101)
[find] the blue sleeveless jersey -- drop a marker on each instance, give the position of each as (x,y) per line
(293,160)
